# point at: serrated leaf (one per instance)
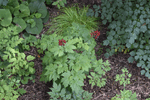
(6, 87)
(12, 60)
(29, 58)
(31, 70)
(21, 91)
(70, 48)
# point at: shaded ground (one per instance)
(139, 84)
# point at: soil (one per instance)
(139, 84)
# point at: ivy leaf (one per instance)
(130, 59)
(131, 40)
(132, 53)
(145, 57)
(143, 28)
(104, 22)
(106, 42)
(106, 55)
(147, 74)
(142, 72)
(128, 45)
(29, 58)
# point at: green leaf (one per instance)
(65, 80)
(132, 53)
(104, 22)
(20, 23)
(5, 17)
(147, 74)
(142, 72)
(130, 59)
(42, 10)
(55, 3)
(12, 60)
(6, 87)
(131, 40)
(21, 91)
(143, 28)
(31, 70)
(29, 58)
(23, 11)
(106, 42)
(128, 45)
(145, 57)
(70, 48)
(37, 28)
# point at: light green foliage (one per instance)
(125, 95)
(9, 87)
(59, 3)
(61, 93)
(17, 62)
(94, 13)
(9, 38)
(129, 30)
(70, 15)
(99, 71)
(121, 78)
(68, 64)
(29, 40)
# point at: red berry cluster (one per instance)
(95, 33)
(61, 42)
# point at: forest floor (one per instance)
(139, 84)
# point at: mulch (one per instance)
(139, 83)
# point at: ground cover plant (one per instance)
(67, 49)
(133, 34)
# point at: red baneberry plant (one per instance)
(95, 34)
(61, 42)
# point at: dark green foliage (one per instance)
(29, 15)
(129, 28)
(94, 13)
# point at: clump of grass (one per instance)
(70, 15)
